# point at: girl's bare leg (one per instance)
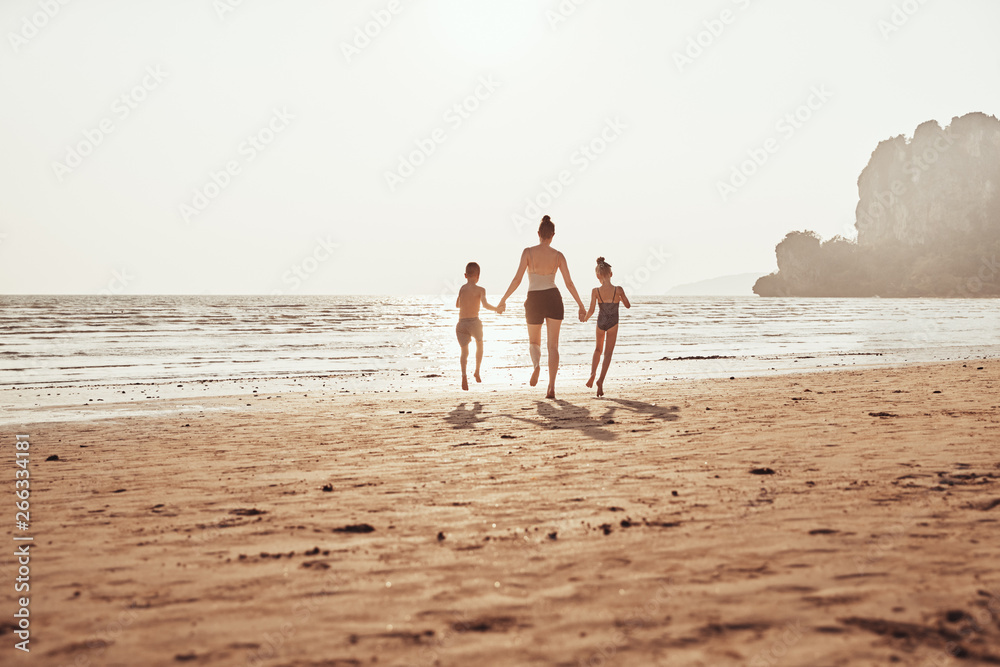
(597, 357)
(611, 337)
(552, 327)
(535, 347)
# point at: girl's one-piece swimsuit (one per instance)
(607, 316)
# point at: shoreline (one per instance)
(834, 517)
(71, 401)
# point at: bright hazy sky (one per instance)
(310, 129)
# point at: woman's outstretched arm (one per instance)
(570, 286)
(516, 282)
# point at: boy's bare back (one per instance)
(469, 299)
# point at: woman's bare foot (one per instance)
(465, 383)
(551, 393)
(590, 382)
(600, 389)
(478, 379)
(534, 376)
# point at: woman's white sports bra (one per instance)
(539, 281)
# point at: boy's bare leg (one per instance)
(465, 359)
(479, 359)
(612, 337)
(535, 345)
(552, 327)
(597, 357)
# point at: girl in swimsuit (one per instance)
(606, 298)
(544, 303)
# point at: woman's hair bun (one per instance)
(547, 228)
(600, 260)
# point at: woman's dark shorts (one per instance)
(542, 304)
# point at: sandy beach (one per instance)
(837, 518)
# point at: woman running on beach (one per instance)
(606, 298)
(544, 303)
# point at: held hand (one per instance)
(501, 307)
(583, 314)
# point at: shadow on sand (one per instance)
(670, 414)
(559, 414)
(463, 417)
(563, 414)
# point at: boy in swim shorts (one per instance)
(470, 296)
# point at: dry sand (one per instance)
(509, 530)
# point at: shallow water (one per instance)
(395, 342)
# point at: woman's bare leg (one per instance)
(552, 327)
(612, 336)
(535, 348)
(597, 357)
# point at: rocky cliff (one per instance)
(928, 222)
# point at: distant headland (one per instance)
(928, 223)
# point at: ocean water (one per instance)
(394, 343)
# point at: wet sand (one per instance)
(839, 518)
